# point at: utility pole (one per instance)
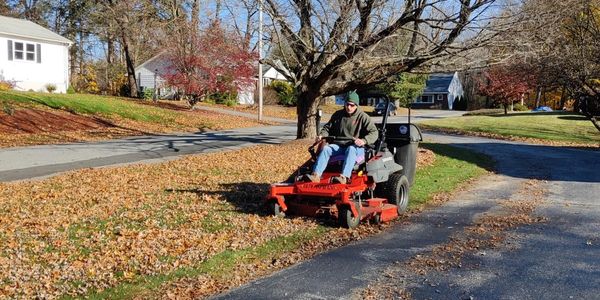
(260, 72)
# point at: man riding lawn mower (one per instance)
(357, 170)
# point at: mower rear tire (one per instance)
(396, 191)
(276, 209)
(346, 219)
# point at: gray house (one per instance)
(441, 91)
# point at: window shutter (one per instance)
(39, 53)
(10, 50)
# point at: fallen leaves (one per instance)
(85, 231)
(425, 157)
(276, 111)
(43, 125)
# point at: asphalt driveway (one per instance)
(555, 259)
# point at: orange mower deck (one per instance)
(325, 198)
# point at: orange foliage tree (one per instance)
(505, 84)
(213, 61)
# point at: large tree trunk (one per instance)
(195, 16)
(595, 121)
(110, 51)
(538, 96)
(592, 109)
(563, 96)
(73, 56)
(308, 102)
(133, 88)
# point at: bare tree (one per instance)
(341, 45)
(242, 15)
(560, 41)
(127, 20)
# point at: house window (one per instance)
(19, 51)
(24, 51)
(30, 52)
(425, 99)
(440, 97)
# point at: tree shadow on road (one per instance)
(574, 118)
(534, 161)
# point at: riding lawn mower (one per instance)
(377, 190)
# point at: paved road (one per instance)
(558, 259)
(31, 162)
(41, 161)
(416, 115)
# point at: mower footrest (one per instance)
(376, 202)
(389, 212)
(318, 189)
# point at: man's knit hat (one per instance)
(353, 97)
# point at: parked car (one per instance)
(380, 109)
(542, 108)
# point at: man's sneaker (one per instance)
(339, 179)
(312, 177)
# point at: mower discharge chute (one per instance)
(377, 190)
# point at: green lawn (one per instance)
(553, 126)
(452, 168)
(91, 105)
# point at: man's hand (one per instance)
(359, 142)
(318, 138)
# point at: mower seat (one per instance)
(337, 161)
(340, 159)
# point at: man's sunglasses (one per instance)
(350, 104)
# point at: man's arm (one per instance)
(372, 134)
(325, 129)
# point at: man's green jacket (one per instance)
(358, 125)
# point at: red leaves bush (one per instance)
(214, 61)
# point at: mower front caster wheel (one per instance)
(376, 220)
(276, 209)
(347, 220)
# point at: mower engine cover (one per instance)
(381, 166)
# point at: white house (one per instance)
(270, 74)
(149, 76)
(148, 73)
(32, 56)
(441, 90)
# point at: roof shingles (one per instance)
(28, 29)
(438, 83)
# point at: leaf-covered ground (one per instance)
(25, 123)
(275, 111)
(189, 227)
(289, 113)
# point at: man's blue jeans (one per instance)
(350, 153)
